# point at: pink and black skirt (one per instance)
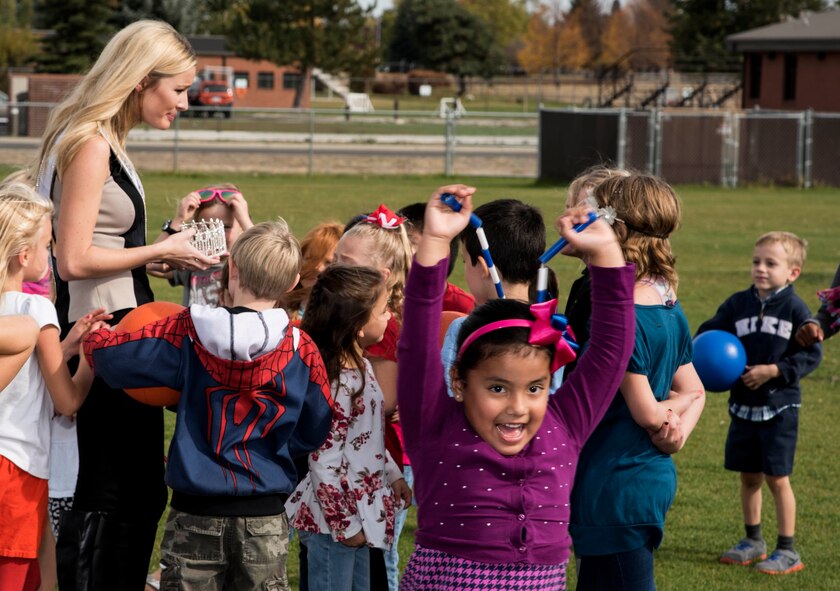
(432, 570)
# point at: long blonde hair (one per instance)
(106, 100)
(21, 213)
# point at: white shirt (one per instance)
(26, 408)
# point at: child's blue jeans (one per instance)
(334, 566)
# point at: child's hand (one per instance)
(441, 221)
(597, 244)
(240, 211)
(356, 541)
(669, 439)
(159, 269)
(91, 321)
(757, 375)
(187, 207)
(442, 224)
(809, 333)
(402, 491)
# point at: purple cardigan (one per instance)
(473, 502)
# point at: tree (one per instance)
(506, 19)
(574, 49)
(187, 16)
(699, 27)
(587, 17)
(540, 51)
(651, 34)
(443, 35)
(334, 35)
(17, 44)
(80, 30)
(618, 37)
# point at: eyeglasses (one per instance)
(209, 194)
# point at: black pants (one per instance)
(97, 551)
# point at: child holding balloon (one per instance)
(764, 403)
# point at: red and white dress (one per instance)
(348, 488)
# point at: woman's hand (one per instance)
(356, 541)
(179, 253)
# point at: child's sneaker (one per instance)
(745, 552)
(781, 562)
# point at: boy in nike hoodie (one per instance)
(254, 395)
(764, 403)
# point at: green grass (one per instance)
(714, 249)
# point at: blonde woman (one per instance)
(142, 75)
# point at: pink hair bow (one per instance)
(552, 329)
(385, 218)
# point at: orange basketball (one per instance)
(135, 320)
(446, 318)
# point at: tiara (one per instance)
(209, 238)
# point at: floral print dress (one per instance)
(348, 488)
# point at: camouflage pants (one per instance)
(215, 553)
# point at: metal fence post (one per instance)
(736, 147)
(622, 138)
(800, 150)
(449, 143)
(651, 159)
(657, 168)
(726, 150)
(175, 145)
(311, 153)
(809, 145)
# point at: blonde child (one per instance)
(348, 501)
(18, 335)
(380, 240)
(764, 403)
(223, 202)
(495, 463)
(625, 483)
(41, 387)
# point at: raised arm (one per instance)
(421, 390)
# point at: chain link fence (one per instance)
(728, 148)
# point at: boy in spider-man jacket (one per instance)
(254, 395)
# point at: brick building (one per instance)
(792, 65)
(257, 84)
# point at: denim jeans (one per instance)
(392, 556)
(334, 566)
(215, 553)
(624, 571)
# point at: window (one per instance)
(755, 76)
(265, 80)
(790, 77)
(291, 80)
(241, 80)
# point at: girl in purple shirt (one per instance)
(496, 463)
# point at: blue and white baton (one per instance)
(607, 213)
(475, 221)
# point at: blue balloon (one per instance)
(719, 359)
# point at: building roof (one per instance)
(812, 31)
(215, 45)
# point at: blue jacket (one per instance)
(767, 329)
(240, 422)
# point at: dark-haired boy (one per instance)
(516, 235)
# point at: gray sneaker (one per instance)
(781, 562)
(745, 552)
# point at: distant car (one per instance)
(4, 111)
(211, 97)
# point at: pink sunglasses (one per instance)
(209, 194)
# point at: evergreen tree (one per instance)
(334, 35)
(699, 27)
(445, 36)
(80, 29)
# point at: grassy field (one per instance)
(714, 249)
